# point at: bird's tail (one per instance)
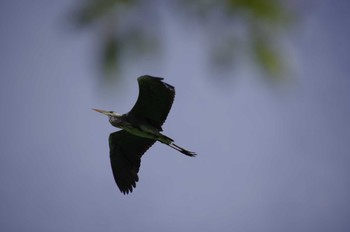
(170, 142)
(182, 150)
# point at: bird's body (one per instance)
(141, 128)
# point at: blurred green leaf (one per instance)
(268, 58)
(111, 53)
(261, 9)
(93, 10)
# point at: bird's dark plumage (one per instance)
(154, 101)
(125, 154)
(141, 128)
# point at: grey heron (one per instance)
(141, 128)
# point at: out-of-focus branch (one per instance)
(240, 26)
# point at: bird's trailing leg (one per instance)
(182, 150)
(170, 142)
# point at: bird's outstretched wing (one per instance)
(125, 153)
(154, 101)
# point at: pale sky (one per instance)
(271, 157)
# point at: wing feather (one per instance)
(153, 103)
(125, 154)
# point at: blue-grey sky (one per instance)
(271, 158)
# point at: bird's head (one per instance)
(108, 113)
(114, 118)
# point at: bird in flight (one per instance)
(141, 128)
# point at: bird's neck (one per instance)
(118, 121)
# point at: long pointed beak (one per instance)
(101, 111)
